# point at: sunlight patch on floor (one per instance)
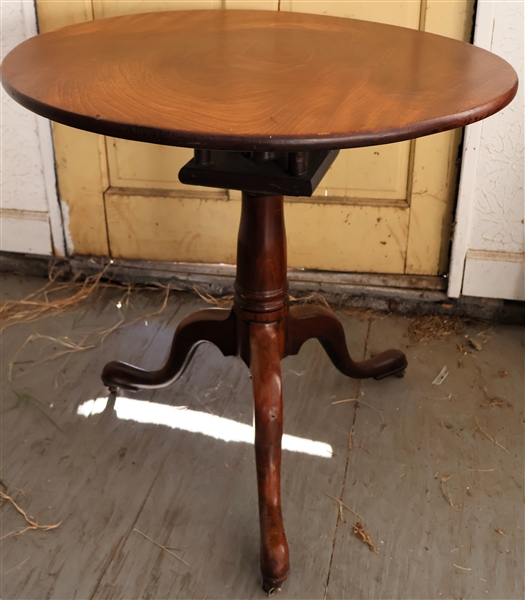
(181, 417)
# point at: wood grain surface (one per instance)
(255, 80)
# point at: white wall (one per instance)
(30, 218)
(488, 255)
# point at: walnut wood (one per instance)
(261, 284)
(211, 325)
(266, 350)
(255, 80)
(306, 322)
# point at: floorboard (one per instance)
(412, 459)
(441, 501)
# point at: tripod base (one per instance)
(262, 346)
(261, 329)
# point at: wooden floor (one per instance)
(435, 473)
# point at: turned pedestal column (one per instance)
(261, 329)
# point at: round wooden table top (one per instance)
(255, 80)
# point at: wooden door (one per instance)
(385, 209)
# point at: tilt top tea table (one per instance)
(266, 99)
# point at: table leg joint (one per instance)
(306, 322)
(213, 325)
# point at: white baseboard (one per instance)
(490, 272)
(25, 231)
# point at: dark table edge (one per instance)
(166, 137)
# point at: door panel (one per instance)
(167, 223)
(432, 200)
(361, 173)
(370, 238)
(393, 12)
(115, 8)
(181, 221)
(379, 172)
(386, 209)
(146, 166)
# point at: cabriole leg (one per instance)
(266, 351)
(306, 322)
(213, 325)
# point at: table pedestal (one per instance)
(262, 329)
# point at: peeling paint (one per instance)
(499, 202)
(67, 232)
(24, 188)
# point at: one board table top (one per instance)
(255, 80)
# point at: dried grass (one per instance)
(493, 440)
(446, 493)
(50, 300)
(165, 548)
(313, 298)
(54, 297)
(218, 301)
(359, 401)
(68, 345)
(227, 300)
(32, 523)
(482, 470)
(497, 402)
(463, 350)
(57, 296)
(43, 307)
(462, 568)
(435, 327)
(341, 506)
(359, 532)
(16, 567)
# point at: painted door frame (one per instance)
(479, 272)
(21, 226)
